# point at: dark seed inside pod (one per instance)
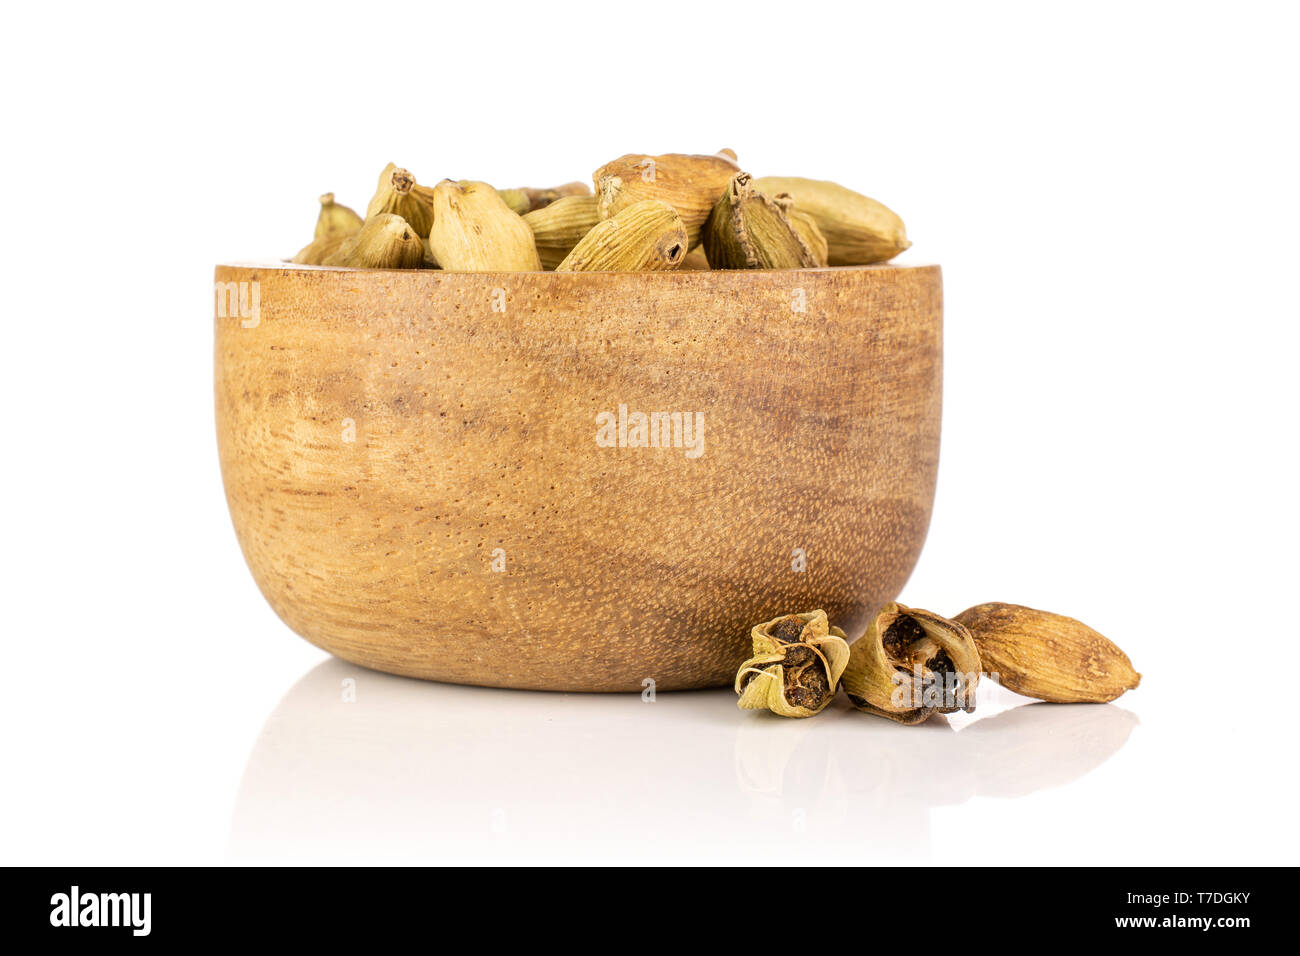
(788, 628)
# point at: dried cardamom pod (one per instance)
(516, 199)
(748, 230)
(559, 226)
(806, 226)
(1048, 656)
(797, 663)
(858, 230)
(645, 237)
(475, 231)
(335, 220)
(318, 250)
(690, 184)
(911, 663)
(385, 241)
(541, 198)
(399, 194)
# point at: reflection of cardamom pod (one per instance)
(911, 663)
(797, 663)
(858, 230)
(644, 237)
(748, 230)
(559, 226)
(1048, 656)
(385, 241)
(399, 194)
(335, 220)
(690, 184)
(475, 231)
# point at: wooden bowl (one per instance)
(442, 475)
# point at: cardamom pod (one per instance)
(1048, 656)
(690, 184)
(516, 199)
(398, 193)
(541, 198)
(748, 230)
(806, 226)
(647, 236)
(911, 663)
(796, 664)
(386, 241)
(475, 231)
(335, 220)
(318, 250)
(559, 226)
(858, 230)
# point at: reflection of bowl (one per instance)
(422, 482)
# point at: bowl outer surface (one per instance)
(415, 466)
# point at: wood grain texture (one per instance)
(475, 429)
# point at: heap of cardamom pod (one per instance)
(912, 663)
(645, 213)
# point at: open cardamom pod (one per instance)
(796, 665)
(1048, 656)
(559, 226)
(399, 194)
(475, 231)
(748, 230)
(911, 663)
(386, 241)
(690, 184)
(806, 226)
(858, 230)
(335, 220)
(645, 237)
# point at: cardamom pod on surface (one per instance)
(386, 241)
(748, 230)
(690, 184)
(1048, 656)
(399, 194)
(858, 229)
(559, 226)
(796, 665)
(645, 237)
(475, 231)
(910, 664)
(334, 219)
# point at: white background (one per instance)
(1112, 194)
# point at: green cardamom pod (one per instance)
(910, 664)
(475, 231)
(796, 665)
(749, 230)
(386, 241)
(398, 193)
(335, 220)
(647, 236)
(858, 229)
(690, 184)
(559, 226)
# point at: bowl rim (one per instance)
(282, 266)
